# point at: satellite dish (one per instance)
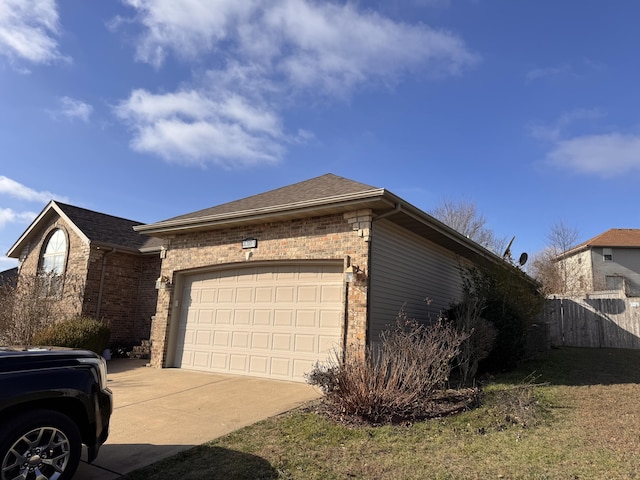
(523, 259)
(507, 252)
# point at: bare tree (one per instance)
(32, 304)
(463, 217)
(557, 274)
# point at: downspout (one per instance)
(101, 287)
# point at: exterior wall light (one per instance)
(163, 282)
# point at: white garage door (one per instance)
(267, 321)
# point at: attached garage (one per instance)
(271, 321)
(267, 285)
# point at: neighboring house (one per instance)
(270, 284)
(609, 261)
(9, 277)
(94, 264)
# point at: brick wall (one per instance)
(70, 300)
(128, 298)
(332, 237)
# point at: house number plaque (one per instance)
(249, 243)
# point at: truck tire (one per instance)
(42, 444)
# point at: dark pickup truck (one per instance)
(51, 402)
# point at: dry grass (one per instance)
(585, 424)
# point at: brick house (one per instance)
(95, 265)
(609, 261)
(269, 284)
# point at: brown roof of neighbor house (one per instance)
(328, 185)
(105, 229)
(98, 228)
(616, 237)
(9, 277)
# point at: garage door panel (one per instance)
(262, 317)
(285, 294)
(205, 316)
(225, 295)
(327, 344)
(308, 294)
(331, 293)
(244, 295)
(200, 359)
(238, 363)
(221, 338)
(260, 340)
(330, 319)
(261, 321)
(240, 340)
(304, 343)
(223, 317)
(219, 362)
(203, 337)
(264, 294)
(242, 317)
(283, 318)
(259, 365)
(306, 318)
(207, 295)
(280, 367)
(282, 341)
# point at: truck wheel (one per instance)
(40, 444)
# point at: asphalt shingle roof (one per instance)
(106, 229)
(616, 237)
(325, 186)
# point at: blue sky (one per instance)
(147, 109)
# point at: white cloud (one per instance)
(17, 190)
(191, 127)
(547, 72)
(267, 54)
(28, 31)
(566, 121)
(74, 109)
(605, 155)
(7, 215)
(571, 70)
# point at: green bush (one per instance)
(79, 332)
(511, 302)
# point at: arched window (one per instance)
(52, 263)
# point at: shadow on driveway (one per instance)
(160, 412)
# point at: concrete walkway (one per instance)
(159, 412)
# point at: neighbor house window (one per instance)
(614, 282)
(52, 263)
(607, 254)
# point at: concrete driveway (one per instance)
(158, 413)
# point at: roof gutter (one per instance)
(264, 213)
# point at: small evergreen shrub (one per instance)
(79, 332)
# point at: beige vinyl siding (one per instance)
(405, 270)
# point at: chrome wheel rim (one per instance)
(41, 454)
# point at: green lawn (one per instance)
(583, 422)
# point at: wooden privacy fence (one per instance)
(605, 319)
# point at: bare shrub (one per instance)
(466, 317)
(33, 305)
(394, 379)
